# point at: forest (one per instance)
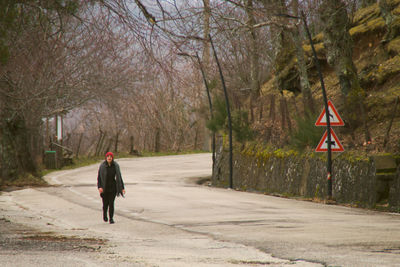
(173, 75)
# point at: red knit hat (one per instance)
(110, 154)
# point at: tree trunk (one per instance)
(196, 137)
(254, 65)
(308, 102)
(339, 45)
(339, 54)
(283, 112)
(96, 151)
(284, 47)
(79, 145)
(102, 144)
(47, 142)
(157, 141)
(15, 154)
(272, 108)
(132, 148)
(206, 44)
(116, 142)
(99, 144)
(289, 123)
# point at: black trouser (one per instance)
(108, 203)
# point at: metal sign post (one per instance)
(328, 123)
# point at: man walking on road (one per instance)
(109, 184)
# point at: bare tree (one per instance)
(32, 81)
(54, 66)
(308, 102)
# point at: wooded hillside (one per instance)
(377, 60)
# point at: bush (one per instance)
(240, 122)
(241, 127)
(218, 120)
(306, 133)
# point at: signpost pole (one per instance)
(328, 124)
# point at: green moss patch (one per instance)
(371, 26)
(394, 46)
(365, 14)
(319, 48)
(388, 68)
(318, 38)
(396, 11)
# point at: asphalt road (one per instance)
(166, 219)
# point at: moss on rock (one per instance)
(365, 14)
(370, 26)
(388, 68)
(319, 48)
(394, 46)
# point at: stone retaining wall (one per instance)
(291, 174)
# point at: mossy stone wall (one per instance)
(290, 174)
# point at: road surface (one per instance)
(166, 219)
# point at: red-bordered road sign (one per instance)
(336, 146)
(335, 119)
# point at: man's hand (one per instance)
(123, 191)
(100, 190)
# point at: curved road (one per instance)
(167, 220)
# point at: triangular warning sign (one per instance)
(336, 146)
(335, 119)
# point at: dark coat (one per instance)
(102, 177)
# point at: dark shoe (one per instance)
(105, 219)
(111, 221)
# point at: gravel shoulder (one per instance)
(29, 239)
(21, 243)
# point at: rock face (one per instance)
(355, 181)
